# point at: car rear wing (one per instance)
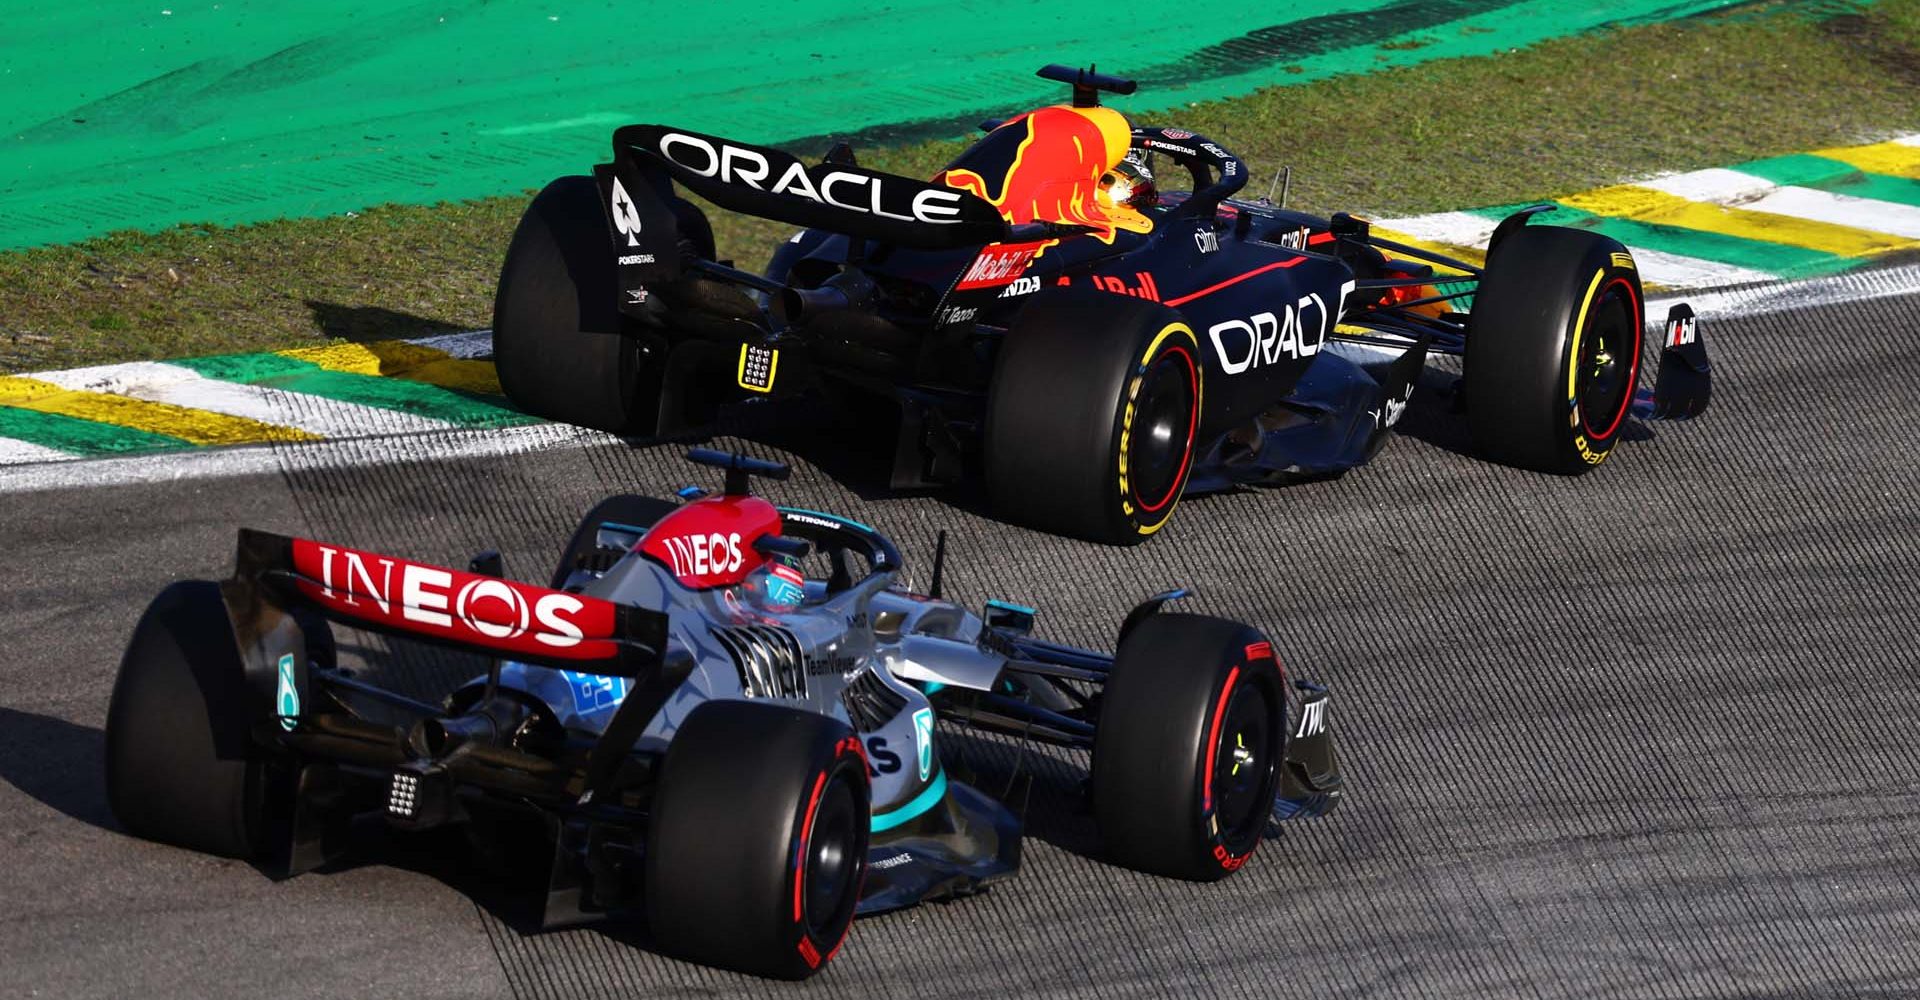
(277, 577)
(834, 194)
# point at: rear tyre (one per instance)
(1187, 755)
(1553, 349)
(558, 343)
(180, 765)
(1092, 416)
(583, 551)
(757, 841)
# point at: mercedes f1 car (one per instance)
(697, 730)
(1043, 315)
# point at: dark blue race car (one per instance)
(1044, 315)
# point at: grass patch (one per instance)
(1555, 118)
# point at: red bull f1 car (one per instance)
(719, 717)
(1044, 315)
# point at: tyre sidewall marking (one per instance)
(1126, 426)
(1633, 369)
(817, 953)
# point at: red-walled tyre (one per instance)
(757, 842)
(1187, 755)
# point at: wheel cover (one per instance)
(1609, 361)
(1244, 764)
(830, 862)
(1160, 443)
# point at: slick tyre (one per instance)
(1092, 416)
(180, 765)
(558, 340)
(1553, 350)
(583, 550)
(757, 842)
(1188, 751)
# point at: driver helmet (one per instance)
(1129, 184)
(777, 586)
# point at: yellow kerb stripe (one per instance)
(1628, 201)
(399, 359)
(1892, 158)
(196, 426)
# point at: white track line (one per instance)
(1670, 269)
(164, 383)
(465, 346)
(1759, 300)
(15, 452)
(1737, 190)
(252, 460)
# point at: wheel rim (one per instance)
(1243, 764)
(1609, 360)
(830, 862)
(1160, 441)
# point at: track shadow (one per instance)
(1437, 416)
(1045, 785)
(59, 763)
(361, 324)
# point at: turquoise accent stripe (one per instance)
(934, 686)
(1777, 258)
(935, 791)
(1834, 177)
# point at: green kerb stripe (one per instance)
(1807, 170)
(1779, 258)
(80, 437)
(294, 375)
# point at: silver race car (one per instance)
(721, 717)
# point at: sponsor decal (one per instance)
(1295, 239)
(636, 296)
(593, 693)
(626, 218)
(1054, 174)
(957, 314)
(881, 760)
(744, 165)
(1206, 241)
(903, 858)
(1313, 718)
(998, 264)
(287, 696)
(1681, 332)
(701, 555)
(1269, 337)
(1144, 287)
(1229, 861)
(463, 607)
(923, 740)
(1169, 147)
(757, 367)
(1390, 411)
(1260, 651)
(1176, 133)
(830, 661)
(1622, 260)
(636, 258)
(1021, 286)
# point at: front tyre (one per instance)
(757, 840)
(1189, 746)
(1092, 416)
(1553, 349)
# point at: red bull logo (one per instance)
(1053, 174)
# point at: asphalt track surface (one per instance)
(1648, 733)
